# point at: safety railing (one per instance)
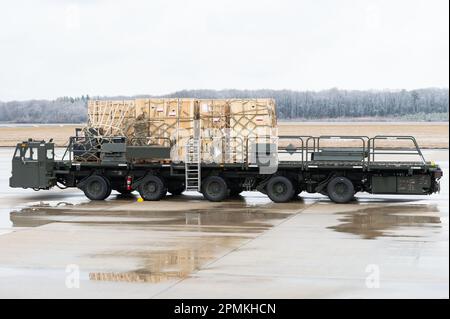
(316, 147)
(390, 151)
(292, 149)
(241, 150)
(306, 146)
(87, 148)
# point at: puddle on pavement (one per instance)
(166, 245)
(160, 246)
(234, 218)
(162, 265)
(388, 221)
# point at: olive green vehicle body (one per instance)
(129, 167)
(33, 165)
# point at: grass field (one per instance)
(428, 134)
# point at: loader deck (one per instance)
(311, 164)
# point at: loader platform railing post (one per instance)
(293, 149)
(316, 152)
(398, 151)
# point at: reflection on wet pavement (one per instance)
(371, 223)
(181, 241)
(161, 265)
(119, 241)
(42, 215)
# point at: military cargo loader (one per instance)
(281, 167)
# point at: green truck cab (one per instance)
(33, 165)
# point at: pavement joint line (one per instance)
(309, 278)
(231, 251)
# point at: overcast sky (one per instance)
(51, 48)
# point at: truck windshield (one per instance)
(30, 154)
(50, 154)
(27, 154)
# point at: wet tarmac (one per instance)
(185, 247)
(372, 223)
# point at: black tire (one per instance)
(109, 190)
(214, 189)
(340, 190)
(97, 187)
(152, 188)
(176, 190)
(280, 189)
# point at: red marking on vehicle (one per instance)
(129, 181)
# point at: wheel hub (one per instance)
(214, 188)
(95, 187)
(151, 187)
(279, 188)
(341, 188)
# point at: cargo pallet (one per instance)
(280, 167)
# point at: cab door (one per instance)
(32, 166)
(25, 167)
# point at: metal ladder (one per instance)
(193, 165)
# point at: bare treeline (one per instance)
(61, 110)
(422, 104)
(335, 104)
